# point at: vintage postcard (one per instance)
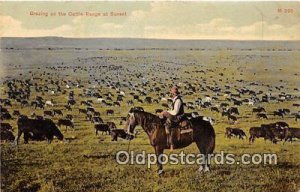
(150, 96)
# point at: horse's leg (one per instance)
(16, 141)
(205, 166)
(159, 151)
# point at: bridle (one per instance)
(129, 126)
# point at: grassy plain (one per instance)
(87, 162)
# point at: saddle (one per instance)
(181, 123)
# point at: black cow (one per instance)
(278, 113)
(109, 112)
(138, 108)
(65, 122)
(6, 135)
(102, 127)
(214, 109)
(97, 114)
(235, 132)
(234, 110)
(256, 132)
(232, 118)
(68, 107)
(118, 133)
(297, 116)
(57, 112)
(261, 116)
(82, 111)
(258, 110)
(5, 126)
(292, 133)
(111, 125)
(42, 129)
(97, 120)
(48, 113)
(5, 116)
(69, 116)
(16, 113)
(158, 111)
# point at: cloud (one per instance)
(161, 20)
(14, 28)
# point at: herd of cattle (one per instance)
(54, 101)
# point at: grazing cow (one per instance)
(39, 105)
(278, 113)
(138, 108)
(130, 102)
(235, 132)
(96, 120)
(256, 132)
(236, 102)
(24, 103)
(23, 117)
(292, 133)
(90, 109)
(84, 111)
(96, 114)
(111, 125)
(165, 105)
(71, 102)
(258, 110)
(89, 116)
(267, 131)
(228, 132)
(70, 117)
(5, 116)
(6, 135)
(16, 113)
(43, 129)
(48, 113)
(281, 125)
(7, 103)
(109, 112)
(214, 109)
(272, 132)
(3, 110)
(148, 100)
(65, 122)
(116, 104)
(102, 127)
(250, 103)
(233, 110)
(57, 112)
(224, 105)
(297, 116)
(39, 117)
(118, 133)
(68, 107)
(232, 118)
(49, 103)
(261, 116)
(6, 126)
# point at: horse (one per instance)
(203, 135)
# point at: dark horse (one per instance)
(203, 135)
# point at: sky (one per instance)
(161, 20)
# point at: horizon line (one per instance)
(144, 38)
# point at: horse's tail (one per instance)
(204, 136)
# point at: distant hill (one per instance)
(128, 43)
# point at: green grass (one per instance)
(87, 162)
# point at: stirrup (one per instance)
(167, 130)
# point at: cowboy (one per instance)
(174, 114)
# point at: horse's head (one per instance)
(131, 124)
